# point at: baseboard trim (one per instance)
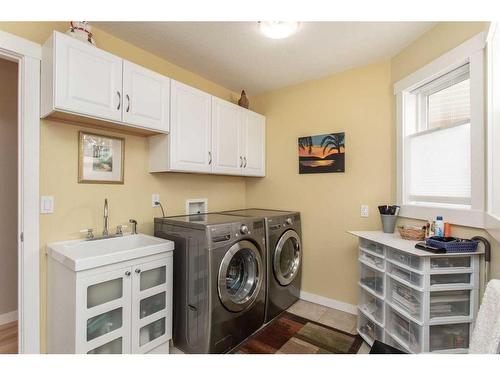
(8, 317)
(328, 302)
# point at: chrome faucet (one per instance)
(106, 214)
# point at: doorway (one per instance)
(9, 207)
(23, 219)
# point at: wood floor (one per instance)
(8, 338)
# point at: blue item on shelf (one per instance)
(453, 244)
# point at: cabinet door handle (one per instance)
(128, 103)
(119, 99)
(209, 158)
(127, 273)
(241, 161)
(138, 271)
(245, 158)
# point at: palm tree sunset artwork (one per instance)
(322, 153)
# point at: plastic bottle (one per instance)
(439, 226)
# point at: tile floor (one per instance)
(331, 317)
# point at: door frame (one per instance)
(28, 55)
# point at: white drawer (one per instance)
(438, 263)
(371, 279)
(372, 306)
(449, 336)
(369, 329)
(405, 259)
(407, 332)
(371, 246)
(371, 259)
(405, 298)
(450, 278)
(404, 274)
(450, 303)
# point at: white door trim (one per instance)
(27, 54)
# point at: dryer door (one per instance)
(241, 274)
(287, 256)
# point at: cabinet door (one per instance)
(190, 129)
(103, 313)
(88, 80)
(151, 304)
(226, 134)
(254, 144)
(146, 97)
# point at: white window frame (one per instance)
(471, 52)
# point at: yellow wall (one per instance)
(79, 206)
(358, 102)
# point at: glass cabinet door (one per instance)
(151, 305)
(104, 314)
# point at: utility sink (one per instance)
(80, 255)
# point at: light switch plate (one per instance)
(364, 210)
(47, 204)
(155, 198)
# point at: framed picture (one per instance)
(322, 153)
(100, 159)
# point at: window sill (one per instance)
(463, 217)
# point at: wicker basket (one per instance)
(412, 233)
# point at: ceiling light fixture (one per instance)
(278, 29)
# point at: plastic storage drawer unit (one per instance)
(369, 329)
(450, 262)
(407, 332)
(407, 299)
(371, 246)
(404, 258)
(404, 274)
(449, 336)
(450, 303)
(371, 305)
(373, 260)
(372, 279)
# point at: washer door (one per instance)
(287, 255)
(240, 276)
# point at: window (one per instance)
(441, 142)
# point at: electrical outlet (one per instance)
(155, 198)
(364, 210)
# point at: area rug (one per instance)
(292, 334)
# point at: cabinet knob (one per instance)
(127, 273)
(138, 271)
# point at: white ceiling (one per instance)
(237, 56)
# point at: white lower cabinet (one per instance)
(119, 308)
(413, 300)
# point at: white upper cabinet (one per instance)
(253, 144)
(87, 80)
(190, 124)
(146, 97)
(84, 83)
(226, 133)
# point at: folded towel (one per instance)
(486, 334)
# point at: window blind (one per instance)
(440, 165)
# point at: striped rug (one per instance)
(292, 334)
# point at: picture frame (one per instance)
(324, 153)
(101, 159)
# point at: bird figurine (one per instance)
(243, 102)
